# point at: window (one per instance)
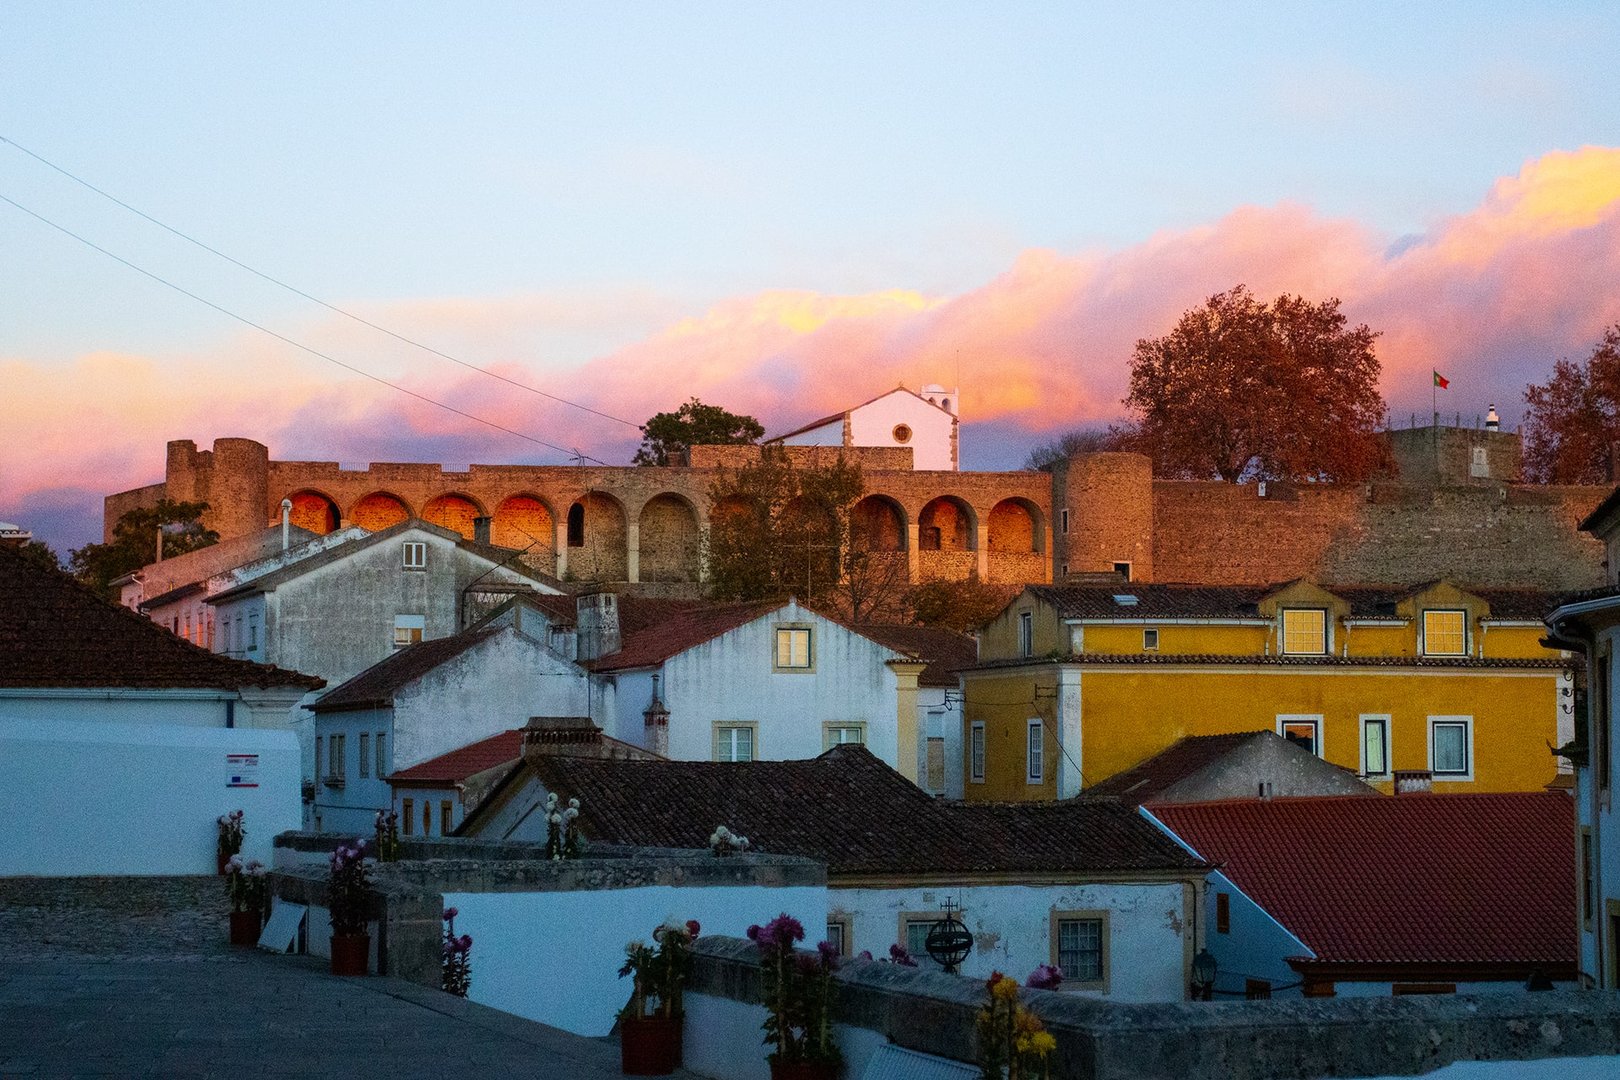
(187, 634)
(915, 937)
(838, 934)
(734, 742)
(230, 636)
(935, 765)
(335, 756)
(1026, 633)
(445, 826)
(576, 525)
(1150, 640)
(1600, 704)
(1445, 633)
(1588, 895)
(1037, 746)
(1304, 730)
(1304, 631)
(1223, 913)
(407, 815)
(427, 818)
(1063, 518)
(1080, 948)
(1480, 466)
(408, 630)
(364, 757)
(1375, 746)
(415, 555)
(902, 433)
(382, 757)
(253, 633)
(1450, 750)
(1256, 989)
(318, 757)
(835, 734)
(793, 648)
(1123, 569)
(976, 752)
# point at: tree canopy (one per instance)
(1243, 389)
(134, 542)
(42, 553)
(1573, 420)
(668, 435)
(1078, 441)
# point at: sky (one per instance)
(784, 209)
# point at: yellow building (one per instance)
(1077, 683)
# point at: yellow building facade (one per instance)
(1077, 683)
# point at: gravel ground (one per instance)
(169, 918)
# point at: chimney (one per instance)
(574, 736)
(1492, 421)
(286, 523)
(656, 716)
(1265, 790)
(481, 530)
(596, 624)
(1413, 781)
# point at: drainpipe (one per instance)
(286, 523)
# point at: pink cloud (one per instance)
(1490, 297)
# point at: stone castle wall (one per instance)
(621, 523)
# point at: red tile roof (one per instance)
(1178, 601)
(55, 632)
(458, 765)
(1414, 879)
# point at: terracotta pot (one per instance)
(803, 1070)
(351, 954)
(647, 1045)
(245, 927)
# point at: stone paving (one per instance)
(133, 978)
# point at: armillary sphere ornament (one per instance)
(948, 940)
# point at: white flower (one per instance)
(573, 804)
(554, 818)
(551, 801)
(571, 813)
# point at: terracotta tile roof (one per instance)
(1406, 880)
(1140, 783)
(375, 687)
(1206, 659)
(469, 760)
(1174, 601)
(945, 650)
(55, 632)
(851, 811)
(676, 631)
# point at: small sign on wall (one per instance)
(241, 770)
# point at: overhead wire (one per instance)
(573, 453)
(311, 298)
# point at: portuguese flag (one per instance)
(1441, 381)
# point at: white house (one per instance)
(926, 422)
(1088, 886)
(425, 701)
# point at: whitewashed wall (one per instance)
(1255, 947)
(103, 797)
(939, 717)
(554, 957)
(1149, 929)
(723, 1039)
(873, 425)
(190, 708)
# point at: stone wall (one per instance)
(1097, 1040)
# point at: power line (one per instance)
(574, 453)
(313, 299)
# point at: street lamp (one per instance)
(949, 940)
(1204, 970)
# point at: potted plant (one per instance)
(1013, 1043)
(248, 889)
(650, 1023)
(387, 836)
(563, 838)
(229, 843)
(798, 991)
(349, 902)
(455, 963)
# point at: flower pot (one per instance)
(647, 1045)
(351, 954)
(803, 1070)
(245, 927)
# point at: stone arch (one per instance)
(879, 523)
(453, 510)
(312, 510)
(597, 538)
(668, 539)
(1017, 548)
(731, 505)
(947, 540)
(378, 510)
(524, 522)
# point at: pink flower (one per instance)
(1044, 977)
(450, 913)
(693, 928)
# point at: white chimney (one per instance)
(286, 523)
(1492, 421)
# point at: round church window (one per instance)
(902, 433)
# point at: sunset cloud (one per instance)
(1490, 297)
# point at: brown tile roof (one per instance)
(679, 629)
(1412, 879)
(945, 650)
(55, 632)
(375, 687)
(1140, 783)
(851, 811)
(1207, 659)
(1173, 601)
(456, 766)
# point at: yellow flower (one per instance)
(1006, 989)
(1027, 1022)
(1042, 1043)
(1022, 1044)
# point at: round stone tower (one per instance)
(1102, 513)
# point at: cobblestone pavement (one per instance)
(133, 978)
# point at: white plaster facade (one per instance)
(925, 422)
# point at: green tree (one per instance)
(778, 530)
(134, 541)
(963, 606)
(1573, 420)
(667, 437)
(1285, 390)
(40, 552)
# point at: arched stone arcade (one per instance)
(377, 511)
(313, 510)
(668, 543)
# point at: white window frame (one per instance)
(1035, 751)
(787, 631)
(1058, 918)
(413, 555)
(976, 752)
(724, 738)
(407, 623)
(1282, 632)
(1026, 633)
(1467, 724)
(1386, 721)
(1150, 639)
(1424, 624)
(1313, 719)
(828, 727)
(253, 633)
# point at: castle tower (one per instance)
(1102, 515)
(233, 479)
